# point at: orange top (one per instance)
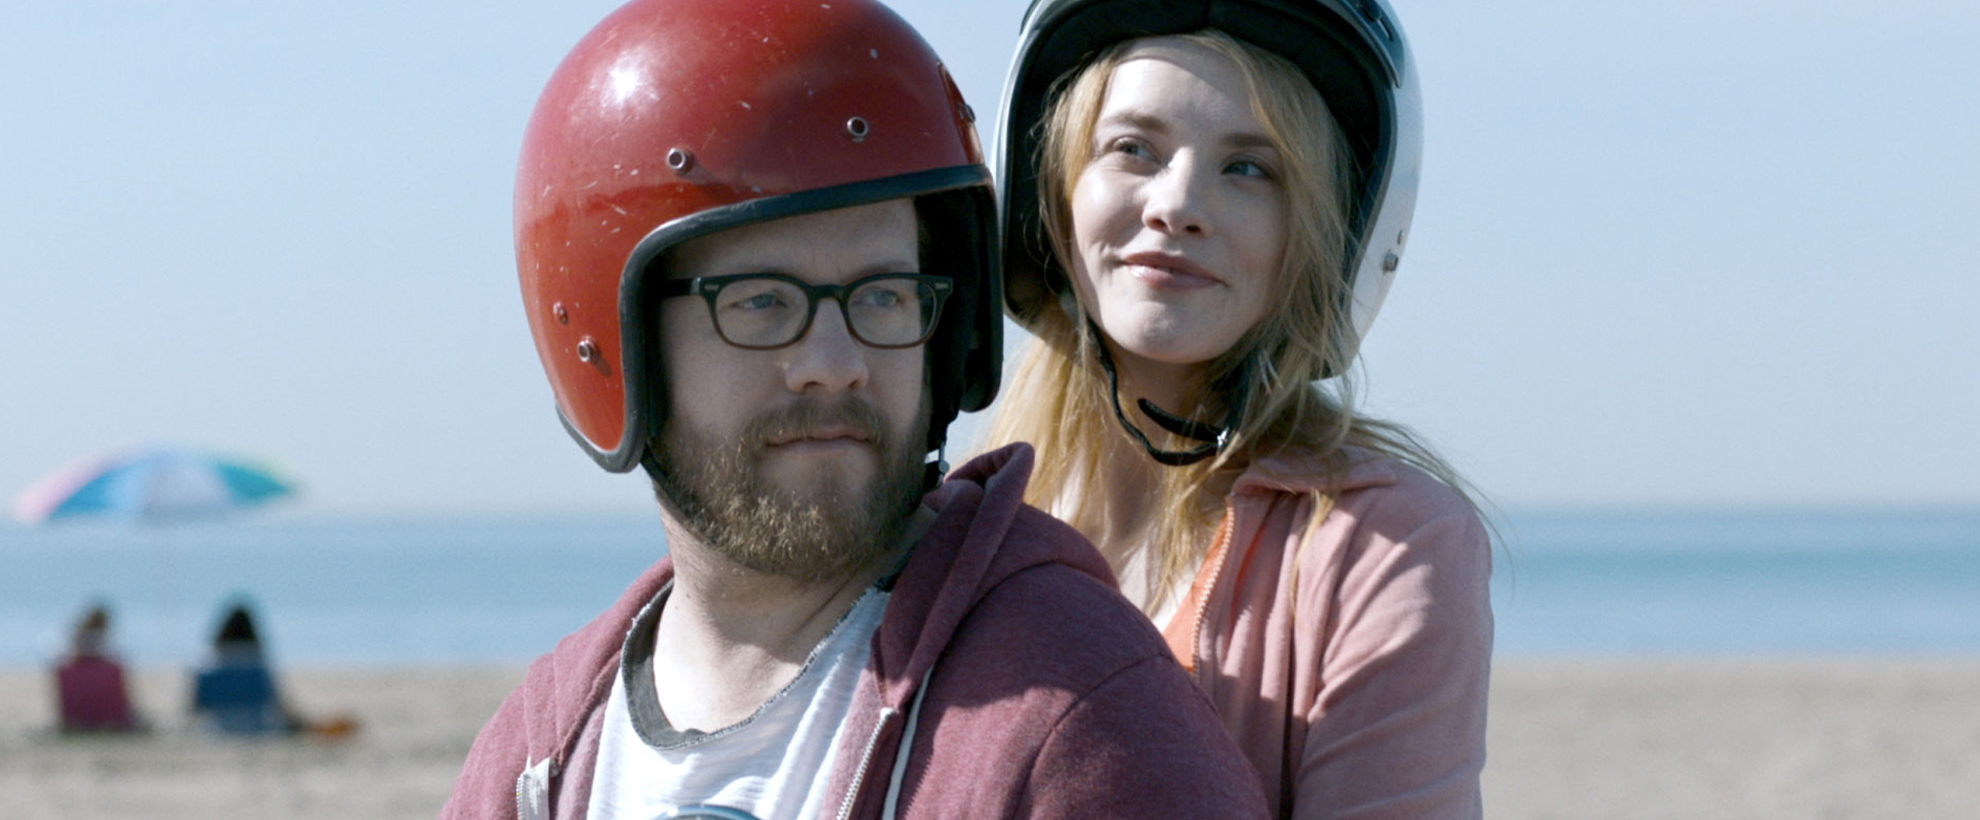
(1186, 626)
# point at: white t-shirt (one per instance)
(770, 765)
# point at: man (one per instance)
(753, 247)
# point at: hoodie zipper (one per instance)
(534, 782)
(1196, 602)
(866, 761)
(1221, 548)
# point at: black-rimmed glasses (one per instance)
(765, 311)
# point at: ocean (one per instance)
(499, 590)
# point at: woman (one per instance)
(1198, 237)
(235, 692)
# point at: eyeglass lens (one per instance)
(883, 312)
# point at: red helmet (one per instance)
(680, 118)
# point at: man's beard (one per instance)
(831, 530)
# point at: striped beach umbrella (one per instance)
(150, 485)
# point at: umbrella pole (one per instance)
(169, 610)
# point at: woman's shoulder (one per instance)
(1371, 487)
(1382, 520)
(1350, 469)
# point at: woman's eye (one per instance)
(1131, 148)
(1245, 167)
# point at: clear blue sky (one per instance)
(1685, 252)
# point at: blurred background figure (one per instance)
(89, 683)
(234, 691)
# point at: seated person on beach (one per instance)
(89, 683)
(234, 692)
(804, 227)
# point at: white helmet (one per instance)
(1354, 53)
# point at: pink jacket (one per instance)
(1008, 679)
(1351, 662)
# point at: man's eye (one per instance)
(767, 300)
(880, 297)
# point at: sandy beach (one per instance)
(1734, 739)
(1569, 739)
(415, 729)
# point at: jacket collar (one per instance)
(571, 681)
(1300, 470)
(964, 555)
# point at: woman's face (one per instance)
(1179, 219)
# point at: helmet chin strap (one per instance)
(1214, 439)
(934, 471)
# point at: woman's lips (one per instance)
(1163, 272)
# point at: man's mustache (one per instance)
(855, 416)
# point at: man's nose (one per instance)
(827, 359)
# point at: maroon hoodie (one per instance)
(1031, 688)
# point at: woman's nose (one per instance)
(1175, 200)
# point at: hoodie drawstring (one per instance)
(901, 754)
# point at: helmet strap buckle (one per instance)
(1215, 438)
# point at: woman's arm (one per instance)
(1397, 728)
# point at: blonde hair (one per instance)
(1059, 398)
